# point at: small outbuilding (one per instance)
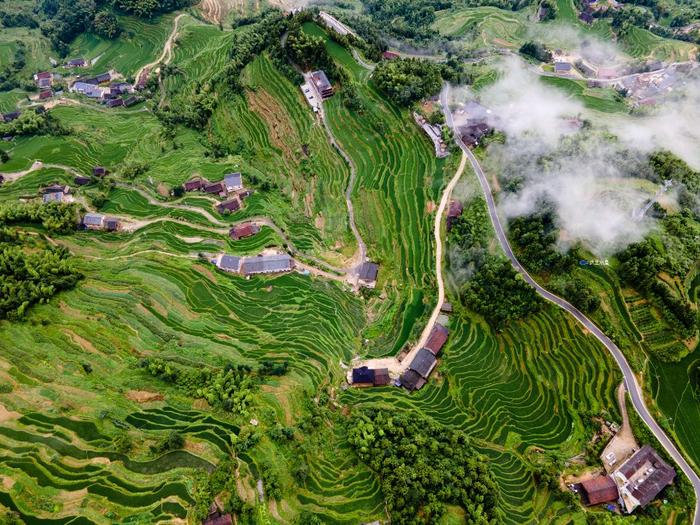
(229, 206)
(601, 489)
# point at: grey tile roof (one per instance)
(93, 219)
(233, 180)
(423, 363)
(230, 262)
(266, 264)
(368, 271)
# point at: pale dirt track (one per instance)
(395, 366)
(167, 53)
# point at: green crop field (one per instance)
(73, 382)
(483, 26)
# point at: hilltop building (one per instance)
(322, 84)
(367, 274)
(642, 477)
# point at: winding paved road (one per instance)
(631, 384)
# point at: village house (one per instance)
(233, 182)
(111, 224)
(367, 274)
(195, 184)
(229, 206)
(241, 231)
(93, 221)
(56, 193)
(130, 101)
(390, 55)
(115, 102)
(321, 83)
(453, 212)
(366, 377)
(99, 171)
(76, 62)
(43, 95)
(472, 135)
(562, 68)
(642, 477)
(9, 117)
(89, 90)
(218, 188)
(437, 339)
(267, 264)
(81, 180)
(43, 79)
(601, 489)
(262, 264)
(419, 370)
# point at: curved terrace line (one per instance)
(631, 383)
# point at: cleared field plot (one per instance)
(598, 99)
(641, 43)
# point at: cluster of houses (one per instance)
(56, 193)
(316, 89)
(633, 484)
(260, 264)
(96, 221)
(230, 188)
(473, 122)
(425, 360)
(103, 89)
(434, 133)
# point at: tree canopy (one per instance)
(406, 81)
(424, 466)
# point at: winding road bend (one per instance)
(631, 384)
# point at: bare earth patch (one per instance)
(80, 341)
(8, 415)
(7, 483)
(206, 272)
(143, 396)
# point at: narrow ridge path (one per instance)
(630, 380)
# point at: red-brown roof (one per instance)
(455, 209)
(244, 230)
(599, 490)
(194, 184)
(43, 74)
(389, 55)
(437, 338)
(224, 519)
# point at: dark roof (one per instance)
(244, 230)
(471, 135)
(76, 62)
(381, 377)
(446, 307)
(45, 94)
(111, 223)
(362, 375)
(99, 170)
(193, 184)
(266, 264)
(437, 338)
(81, 180)
(368, 271)
(43, 74)
(320, 79)
(601, 489)
(130, 101)
(214, 187)
(9, 117)
(423, 363)
(115, 102)
(411, 380)
(232, 205)
(54, 188)
(658, 475)
(455, 209)
(224, 519)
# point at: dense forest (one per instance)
(406, 81)
(491, 286)
(424, 466)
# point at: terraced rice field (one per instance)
(520, 391)
(397, 177)
(641, 43)
(481, 26)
